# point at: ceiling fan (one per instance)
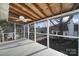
(21, 18)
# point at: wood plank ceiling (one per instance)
(38, 11)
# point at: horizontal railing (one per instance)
(64, 36)
(6, 37)
(55, 35)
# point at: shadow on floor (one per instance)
(13, 45)
(37, 52)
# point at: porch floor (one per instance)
(27, 48)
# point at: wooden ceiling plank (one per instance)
(35, 9)
(17, 13)
(75, 5)
(14, 12)
(31, 10)
(50, 8)
(37, 6)
(55, 8)
(61, 8)
(11, 17)
(22, 8)
(45, 9)
(17, 10)
(66, 7)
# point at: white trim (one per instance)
(7, 33)
(31, 32)
(64, 36)
(15, 31)
(2, 37)
(41, 33)
(48, 34)
(28, 31)
(58, 35)
(24, 30)
(35, 32)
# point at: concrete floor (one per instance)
(27, 48)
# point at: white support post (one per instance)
(24, 31)
(2, 37)
(35, 32)
(47, 33)
(15, 31)
(28, 31)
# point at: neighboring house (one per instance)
(70, 29)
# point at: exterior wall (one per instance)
(4, 9)
(75, 33)
(71, 28)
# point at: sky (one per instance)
(76, 19)
(41, 24)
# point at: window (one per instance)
(6, 31)
(31, 27)
(19, 31)
(41, 32)
(54, 26)
(26, 31)
(31, 31)
(41, 27)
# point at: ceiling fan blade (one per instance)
(24, 20)
(18, 20)
(28, 19)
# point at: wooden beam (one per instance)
(23, 13)
(30, 9)
(14, 12)
(35, 9)
(50, 8)
(22, 8)
(75, 6)
(45, 9)
(60, 8)
(14, 18)
(37, 6)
